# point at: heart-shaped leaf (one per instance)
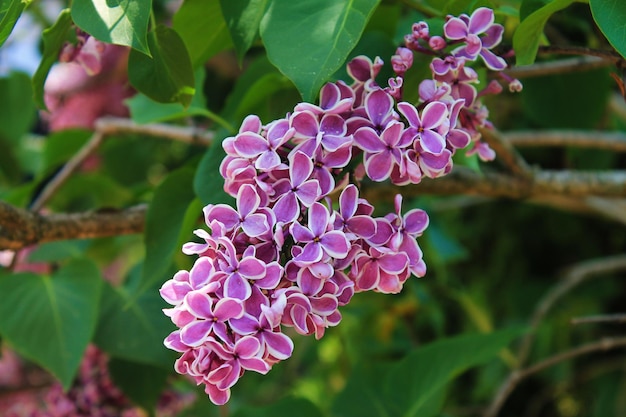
(204, 37)
(53, 39)
(133, 328)
(164, 221)
(10, 11)
(309, 41)
(167, 76)
(243, 19)
(528, 33)
(51, 319)
(610, 16)
(121, 22)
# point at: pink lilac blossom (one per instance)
(301, 240)
(464, 40)
(93, 393)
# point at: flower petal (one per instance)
(378, 166)
(278, 345)
(481, 19)
(455, 29)
(228, 308)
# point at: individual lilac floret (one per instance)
(427, 126)
(469, 29)
(295, 190)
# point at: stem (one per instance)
(613, 141)
(561, 66)
(68, 169)
(507, 153)
(20, 228)
(604, 318)
(515, 377)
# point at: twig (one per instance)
(581, 50)
(603, 318)
(111, 126)
(573, 277)
(488, 184)
(20, 228)
(115, 125)
(68, 169)
(562, 66)
(506, 153)
(613, 141)
(515, 377)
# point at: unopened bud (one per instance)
(515, 86)
(437, 43)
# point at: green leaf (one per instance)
(18, 110)
(61, 146)
(362, 395)
(164, 221)
(412, 382)
(415, 386)
(10, 11)
(133, 328)
(529, 32)
(340, 24)
(167, 76)
(204, 37)
(208, 184)
(577, 100)
(254, 89)
(243, 19)
(121, 22)
(51, 319)
(610, 16)
(145, 110)
(287, 407)
(141, 383)
(53, 39)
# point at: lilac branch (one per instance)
(603, 318)
(613, 141)
(489, 184)
(506, 153)
(66, 172)
(517, 376)
(563, 66)
(573, 277)
(20, 228)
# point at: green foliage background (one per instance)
(440, 347)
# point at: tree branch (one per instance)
(506, 153)
(613, 141)
(562, 66)
(193, 136)
(489, 184)
(573, 277)
(603, 318)
(517, 376)
(68, 169)
(20, 228)
(108, 126)
(608, 55)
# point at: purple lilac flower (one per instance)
(285, 257)
(469, 29)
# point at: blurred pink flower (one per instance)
(92, 82)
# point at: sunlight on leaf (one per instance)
(120, 22)
(327, 30)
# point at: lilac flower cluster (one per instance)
(465, 40)
(301, 240)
